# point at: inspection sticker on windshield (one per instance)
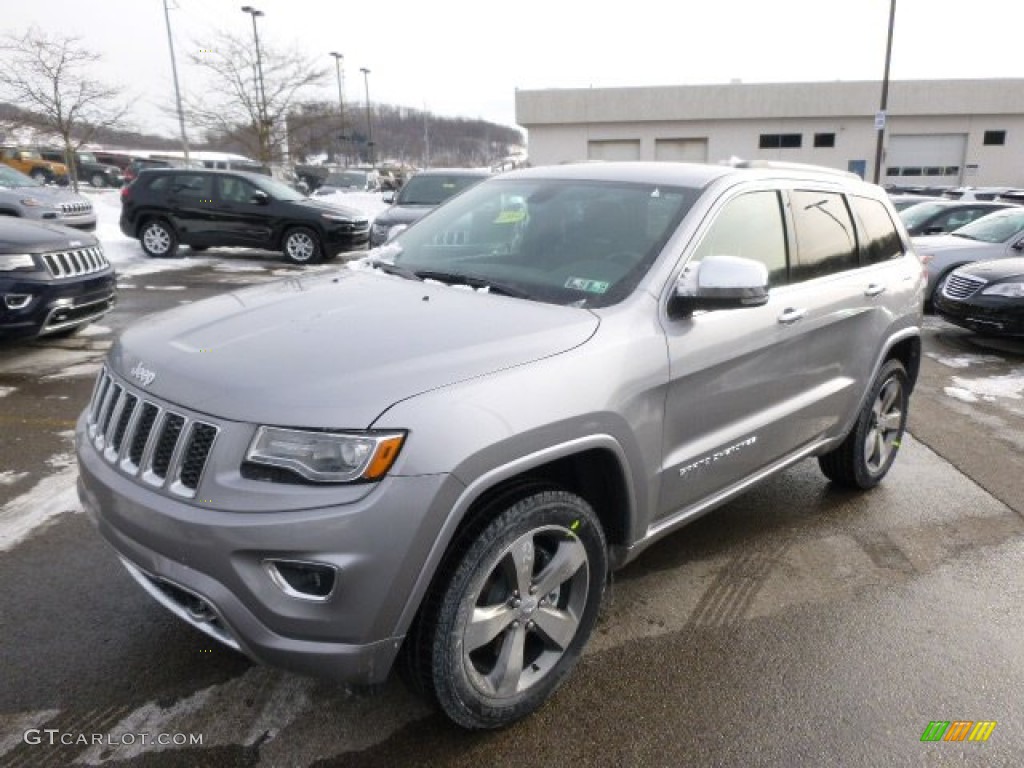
(510, 217)
(590, 286)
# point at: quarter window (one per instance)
(193, 186)
(824, 235)
(880, 241)
(750, 226)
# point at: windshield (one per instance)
(583, 243)
(920, 212)
(997, 227)
(346, 179)
(276, 189)
(11, 178)
(434, 189)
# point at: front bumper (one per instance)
(208, 566)
(996, 315)
(345, 237)
(55, 305)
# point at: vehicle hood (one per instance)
(402, 214)
(320, 205)
(335, 351)
(19, 236)
(953, 244)
(992, 271)
(53, 195)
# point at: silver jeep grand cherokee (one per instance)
(437, 458)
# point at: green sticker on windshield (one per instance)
(510, 217)
(590, 286)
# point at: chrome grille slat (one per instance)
(163, 448)
(82, 261)
(961, 286)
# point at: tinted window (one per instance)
(434, 189)
(825, 238)
(749, 226)
(235, 190)
(192, 186)
(881, 240)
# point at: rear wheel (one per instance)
(158, 238)
(867, 453)
(302, 246)
(98, 180)
(510, 617)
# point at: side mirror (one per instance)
(259, 197)
(1018, 246)
(721, 282)
(388, 197)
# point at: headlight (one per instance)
(380, 229)
(925, 257)
(327, 457)
(10, 262)
(32, 202)
(337, 217)
(1010, 290)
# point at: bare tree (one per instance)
(49, 78)
(231, 105)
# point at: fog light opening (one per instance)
(17, 300)
(302, 580)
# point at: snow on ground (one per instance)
(127, 256)
(1010, 386)
(964, 361)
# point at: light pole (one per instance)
(881, 117)
(338, 58)
(261, 92)
(369, 121)
(177, 90)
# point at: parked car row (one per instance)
(24, 197)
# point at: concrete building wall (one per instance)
(565, 125)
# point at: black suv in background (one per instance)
(53, 280)
(421, 194)
(165, 208)
(87, 168)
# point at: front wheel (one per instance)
(867, 453)
(510, 621)
(302, 246)
(158, 238)
(98, 180)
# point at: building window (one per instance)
(781, 140)
(824, 139)
(890, 171)
(995, 138)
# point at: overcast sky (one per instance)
(461, 58)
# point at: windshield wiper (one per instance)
(454, 278)
(394, 269)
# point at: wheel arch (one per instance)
(593, 467)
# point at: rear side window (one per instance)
(158, 183)
(750, 226)
(193, 186)
(825, 238)
(881, 240)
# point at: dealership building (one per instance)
(936, 132)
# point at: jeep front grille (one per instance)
(144, 439)
(75, 209)
(82, 261)
(961, 286)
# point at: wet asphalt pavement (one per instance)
(798, 625)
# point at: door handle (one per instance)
(874, 289)
(791, 315)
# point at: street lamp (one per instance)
(261, 92)
(880, 118)
(338, 58)
(369, 122)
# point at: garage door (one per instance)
(926, 158)
(616, 149)
(681, 150)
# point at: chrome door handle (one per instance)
(790, 315)
(874, 289)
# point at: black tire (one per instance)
(301, 245)
(867, 453)
(158, 239)
(98, 180)
(546, 542)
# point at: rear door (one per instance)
(241, 221)
(190, 200)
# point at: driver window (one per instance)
(234, 190)
(749, 226)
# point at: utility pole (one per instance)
(426, 138)
(177, 90)
(264, 118)
(338, 58)
(369, 120)
(881, 117)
